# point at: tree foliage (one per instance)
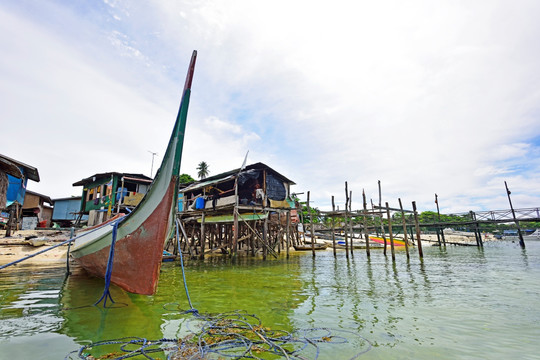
(185, 179)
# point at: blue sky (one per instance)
(427, 97)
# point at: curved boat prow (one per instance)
(142, 233)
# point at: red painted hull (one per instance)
(138, 256)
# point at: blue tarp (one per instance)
(16, 190)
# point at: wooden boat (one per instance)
(380, 240)
(307, 247)
(141, 234)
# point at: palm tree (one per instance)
(202, 170)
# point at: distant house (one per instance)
(67, 211)
(110, 192)
(35, 212)
(14, 176)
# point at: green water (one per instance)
(459, 303)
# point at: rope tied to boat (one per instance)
(235, 334)
(108, 273)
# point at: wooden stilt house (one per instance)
(249, 209)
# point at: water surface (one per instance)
(458, 303)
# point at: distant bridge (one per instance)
(491, 216)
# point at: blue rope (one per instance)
(192, 309)
(48, 249)
(108, 272)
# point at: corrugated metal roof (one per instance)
(95, 177)
(205, 183)
(258, 166)
(12, 167)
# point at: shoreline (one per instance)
(27, 242)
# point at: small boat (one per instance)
(140, 235)
(534, 236)
(355, 244)
(307, 247)
(380, 240)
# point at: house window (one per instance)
(90, 195)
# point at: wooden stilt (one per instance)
(417, 226)
(366, 234)
(404, 228)
(390, 232)
(333, 227)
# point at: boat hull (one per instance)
(146, 242)
(381, 241)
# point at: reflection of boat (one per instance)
(381, 241)
(83, 322)
(141, 234)
(307, 247)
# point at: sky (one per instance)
(427, 97)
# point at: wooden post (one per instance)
(404, 228)
(203, 237)
(520, 235)
(351, 222)
(10, 221)
(265, 237)
(311, 227)
(346, 220)
(390, 232)
(381, 217)
(417, 226)
(366, 235)
(477, 233)
(288, 232)
(440, 226)
(333, 226)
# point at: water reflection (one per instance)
(457, 302)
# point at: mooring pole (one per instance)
(390, 232)
(404, 228)
(440, 227)
(417, 226)
(346, 220)
(520, 235)
(477, 231)
(311, 227)
(366, 235)
(381, 217)
(351, 221)
(333, 226)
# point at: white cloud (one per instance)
(426, 97)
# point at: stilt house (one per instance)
(249, 208)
